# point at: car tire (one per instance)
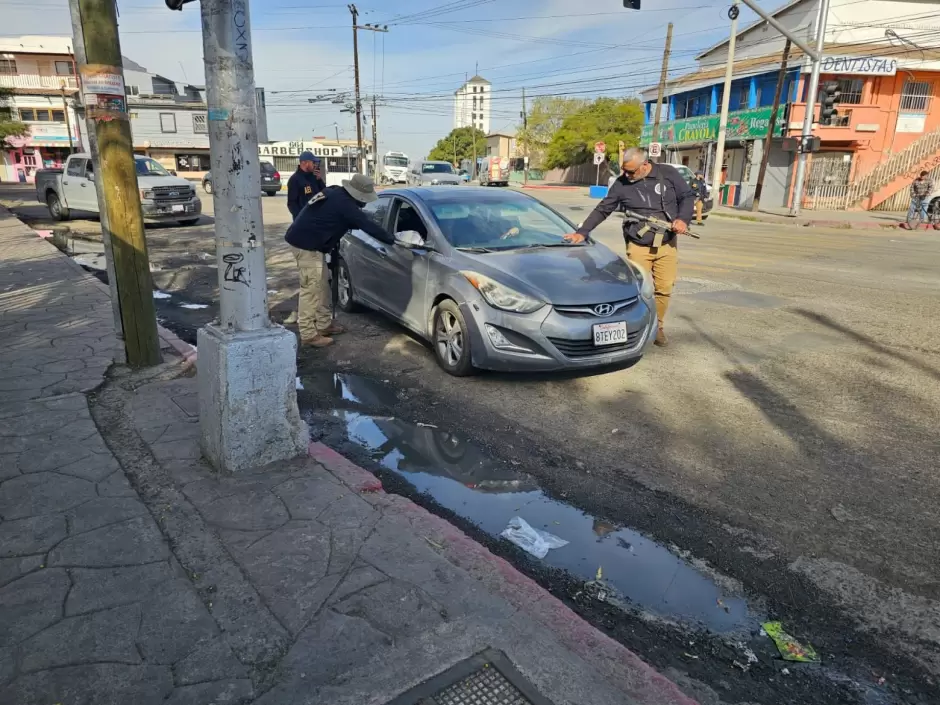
(189, 221)
(345, 293)
(56, 209)
(451, 340)
(207, 186)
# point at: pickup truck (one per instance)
(163, 196)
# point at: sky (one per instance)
(302, 49)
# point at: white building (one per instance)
(473, 104)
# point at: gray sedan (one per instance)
(487, 279)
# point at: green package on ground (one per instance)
(790, 648)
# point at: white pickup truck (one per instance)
(163, 196)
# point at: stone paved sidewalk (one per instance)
(131, 573)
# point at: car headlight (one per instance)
(146, 193)
(500, 296)
(435, 182)
(647, 289)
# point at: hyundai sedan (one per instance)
(488, 280)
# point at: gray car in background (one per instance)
(425, 173)
(487, 279)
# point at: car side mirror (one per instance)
(172, 172)
(410, 239)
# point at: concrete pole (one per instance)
(663, 76)
(798, 182)
(376, 171)
(768, 140)
(68, 120)
(725, 100)
(355, 28)
(247, 367)
(98, 48)
(525, 131)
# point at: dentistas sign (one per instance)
(859, 65)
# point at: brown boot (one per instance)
(333, 329)
(317, 341)
(660, 339)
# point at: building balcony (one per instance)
(32, 81)
(853, 123)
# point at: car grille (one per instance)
(587, 311)
(162, 194)
(577, 349)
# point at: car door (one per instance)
(403, 271)
(362, 254)
(72, 181)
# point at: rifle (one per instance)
(658, 226)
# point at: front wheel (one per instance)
(451, 340)
(207, 186)
(56, 209)
(345, 298)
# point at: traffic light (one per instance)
(827, 107)
(631, 4)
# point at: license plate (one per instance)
(179, 209)
(610, 333)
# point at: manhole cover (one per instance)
(485, 679)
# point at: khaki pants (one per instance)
(313, 304)
(699, 204)
(663, 263)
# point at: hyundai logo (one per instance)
(173, 193)
(603, 310)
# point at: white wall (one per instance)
(145, 127)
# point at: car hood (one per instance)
(151, 181)
(564, 276)
(441, 178)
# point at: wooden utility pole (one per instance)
(525, 132)
(102, 80)
(768, 140)
(68, 121)
(355, 27)
(663, 75)
(725, 102)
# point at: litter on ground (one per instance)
(790, 649)
(531, 540)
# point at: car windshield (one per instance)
(396, 161)
(149, 167)
(434, 168)
(499, 223)
(267, 168)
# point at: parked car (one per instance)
(487, 279)
(686, 173)
(425, 173)
(163, 196)
(494, 172)
(270, 180)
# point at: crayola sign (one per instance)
(742, 125)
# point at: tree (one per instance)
(8, 126)
(606, 119)
(460, 139)
(544, 119)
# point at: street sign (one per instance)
(600, 147)
(598, 158)
(655, 149)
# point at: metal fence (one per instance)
(827, 181)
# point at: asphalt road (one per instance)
(787, 436)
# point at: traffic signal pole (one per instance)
(725, 101)
(247, 368)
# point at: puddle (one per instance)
(351, 388)
(637, 571)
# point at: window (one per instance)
(481, 102)
(378, 210)
(7, 67)
(90, 170)
(63, 68)
(27, 115)
(473, 116)
(132, 90)
(167, 122)
(851, 90)
(474, 102)
(915, 96)
(192, 162)
(76, 167)
(474, 89)
(43, 116)
(744, 93)
(408, 218)
(200, 126)
(58, 116)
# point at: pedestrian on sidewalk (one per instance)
(921, 188)
(304, 184)
(316, 231)
(700, 189)
(651, 190)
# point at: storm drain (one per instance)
(488, 678)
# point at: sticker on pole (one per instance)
(103, 80)
(600, 147)
(598, 158)
(655, 149)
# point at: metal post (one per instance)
(768, 140)
(98, 48)
(68, 121)
(663, 75)
(525, 131)
(375, 142)
(725, 100)
(247, 367)
(355, 14)
(795, 203)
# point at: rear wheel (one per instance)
(56, 209)
(451, 340)
(345, 298)
(207, 186)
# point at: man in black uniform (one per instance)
(700, 189)
(657, 191)
(304, 184)
(317, 230)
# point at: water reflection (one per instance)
(460, 477)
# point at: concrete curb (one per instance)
(639, 681)
(811, 222)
